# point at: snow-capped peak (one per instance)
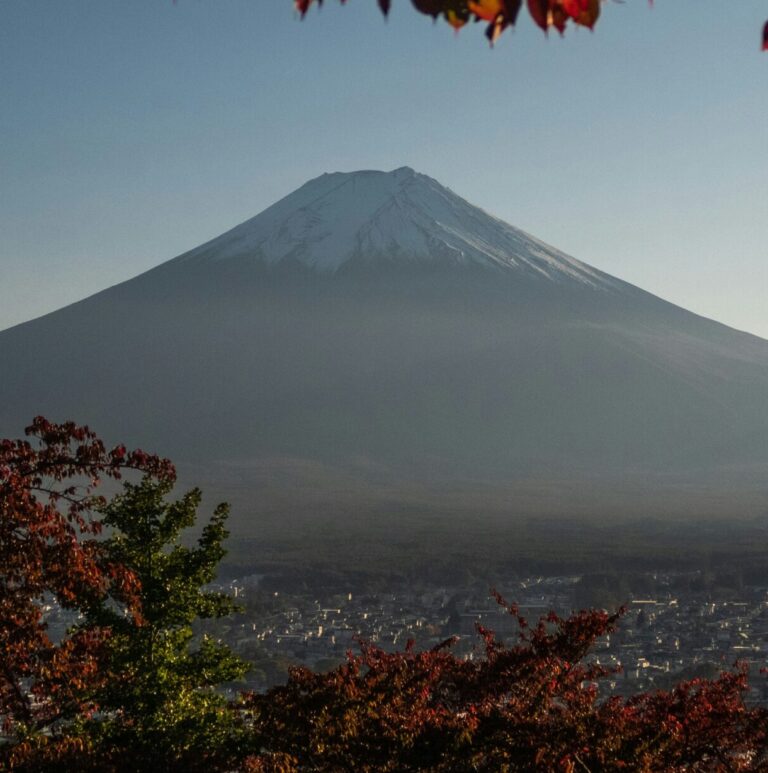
(398, 216)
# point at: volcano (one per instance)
(374, 338)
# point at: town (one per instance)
(687, 628)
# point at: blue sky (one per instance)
(133, 130)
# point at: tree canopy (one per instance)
(129, 688)
(160, 701)
(125, 687)
(49, 552)
(530, 705)
(500, 14)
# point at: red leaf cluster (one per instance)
(49, 552)
(500, 14)
(530, 706)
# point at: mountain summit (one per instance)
(376, 343)
(361, 217)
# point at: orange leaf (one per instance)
(486, 9)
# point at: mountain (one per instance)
(377, 218)
(373, 342)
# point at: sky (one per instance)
(134, 130)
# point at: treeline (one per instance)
(607, 590)
(451, 555)
(130, 688)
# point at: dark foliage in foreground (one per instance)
(500, 14)
(128, 689)
(531, 706)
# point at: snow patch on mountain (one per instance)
(389, 216)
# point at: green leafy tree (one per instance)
(160, 709)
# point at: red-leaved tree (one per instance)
(49, 553)
(532, 705)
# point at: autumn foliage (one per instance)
(532, 705)
(500, 14)
(124, 690)
(49, 550)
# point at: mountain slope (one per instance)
(381, 332)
